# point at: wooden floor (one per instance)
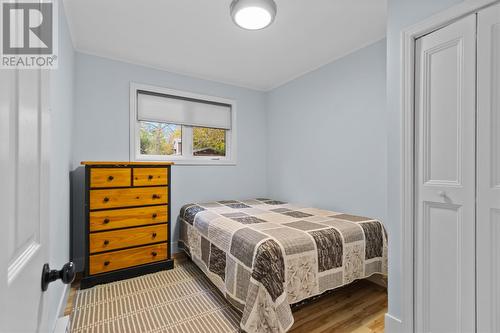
(358, 307)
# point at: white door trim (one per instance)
(408, 37)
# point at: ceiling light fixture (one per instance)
(253, 14)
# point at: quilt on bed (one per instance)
(265, 254)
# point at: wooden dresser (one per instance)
(127, 215)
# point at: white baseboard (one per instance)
(62, 325)
(393, 324)
(60, 309)
(64, 299)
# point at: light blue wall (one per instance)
(341, 106)
(102, 129)
(401, 14)
(327, 136)
(62, 106)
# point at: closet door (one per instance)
(488, 164)
(445, 115)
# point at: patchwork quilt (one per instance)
(265, 255)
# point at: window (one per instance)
(160, 139)
(209, 141)
(168, 125)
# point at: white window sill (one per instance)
(190, 161)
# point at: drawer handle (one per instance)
(154, 254)
(155, 215)
(106, 199)
(106, 242)
(150, 177)
(110, 178)
(156, 196)
(154, 234)
(106, 263)
(106, 221)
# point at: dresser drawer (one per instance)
(150, 176)
(119, 239)
(106, 262)
(128, 197)
(110, 177)
(128, 217)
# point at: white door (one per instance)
(24, 171)
(488, 165)
(445, 114)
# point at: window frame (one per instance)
(186, 158)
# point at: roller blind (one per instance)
(182, 111)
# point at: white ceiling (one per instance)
(198, 37)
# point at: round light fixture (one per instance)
(253, 14)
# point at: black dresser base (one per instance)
(126, 273)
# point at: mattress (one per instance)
(265, 255)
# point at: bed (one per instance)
(265, 255)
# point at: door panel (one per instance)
(24, 199)
(441, 145)
(445, 179)
(26, 234)
(7, 82)
(441, 221)
(488, 164)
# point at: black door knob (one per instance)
(66, 274)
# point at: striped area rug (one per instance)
(180, 300)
